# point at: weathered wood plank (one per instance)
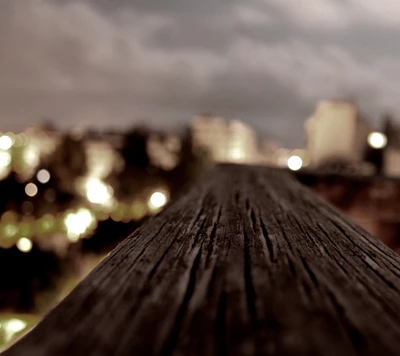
(247, 262)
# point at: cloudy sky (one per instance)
(267, 62)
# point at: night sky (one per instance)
(267, 62)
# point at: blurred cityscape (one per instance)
(68, 198)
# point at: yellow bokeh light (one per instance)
(5, 142)
(24, 244)
(12, 327)
(31, 189)
(295, 163)
(98, 192)
(24, 137)
(121, 213)
(377, 140)
(18, 141)
(26, 228)
(31, 156)
(102, 215)
(237, 153)
(138, 210)
(9, 216)
(78, 223)
(5, 159)
(45, 224)
(117, 215)
(157, 200)
(43, 176)
(10, 230)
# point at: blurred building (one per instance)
(271, 155)
(41, 143)
(391, 154)
(163, 150)
(336, 133)
(101, 158)
(224, 141)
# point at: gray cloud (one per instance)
(266, 62)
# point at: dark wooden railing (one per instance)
(246, 262)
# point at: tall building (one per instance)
(224, 141)
(336, 132)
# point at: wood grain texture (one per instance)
(247, 262)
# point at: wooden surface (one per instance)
(248, 262)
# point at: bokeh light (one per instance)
(157, 200)
(5, 159)
(78, 223)
(237, 153)
(377, 140)
(98, 192)
(31, 189)
(295, 163)
(12, 327)
(5, 142)
(138, 210)
(24, 244)
(10, 230)
(43, 176)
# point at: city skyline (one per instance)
(266, 63)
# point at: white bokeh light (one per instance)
(5, 159)
(43, 176)
(11, 327)
(31, 189)
(377, 140)
(98, 192)
(5, 142)
(78, 223)
(24, 244)
(295, 163)
(157, 200)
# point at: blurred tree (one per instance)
(138, 173)
(12, 193)
(47, 124)
(67, 163)
(192, 162)
(134, 150)
(336, 165)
